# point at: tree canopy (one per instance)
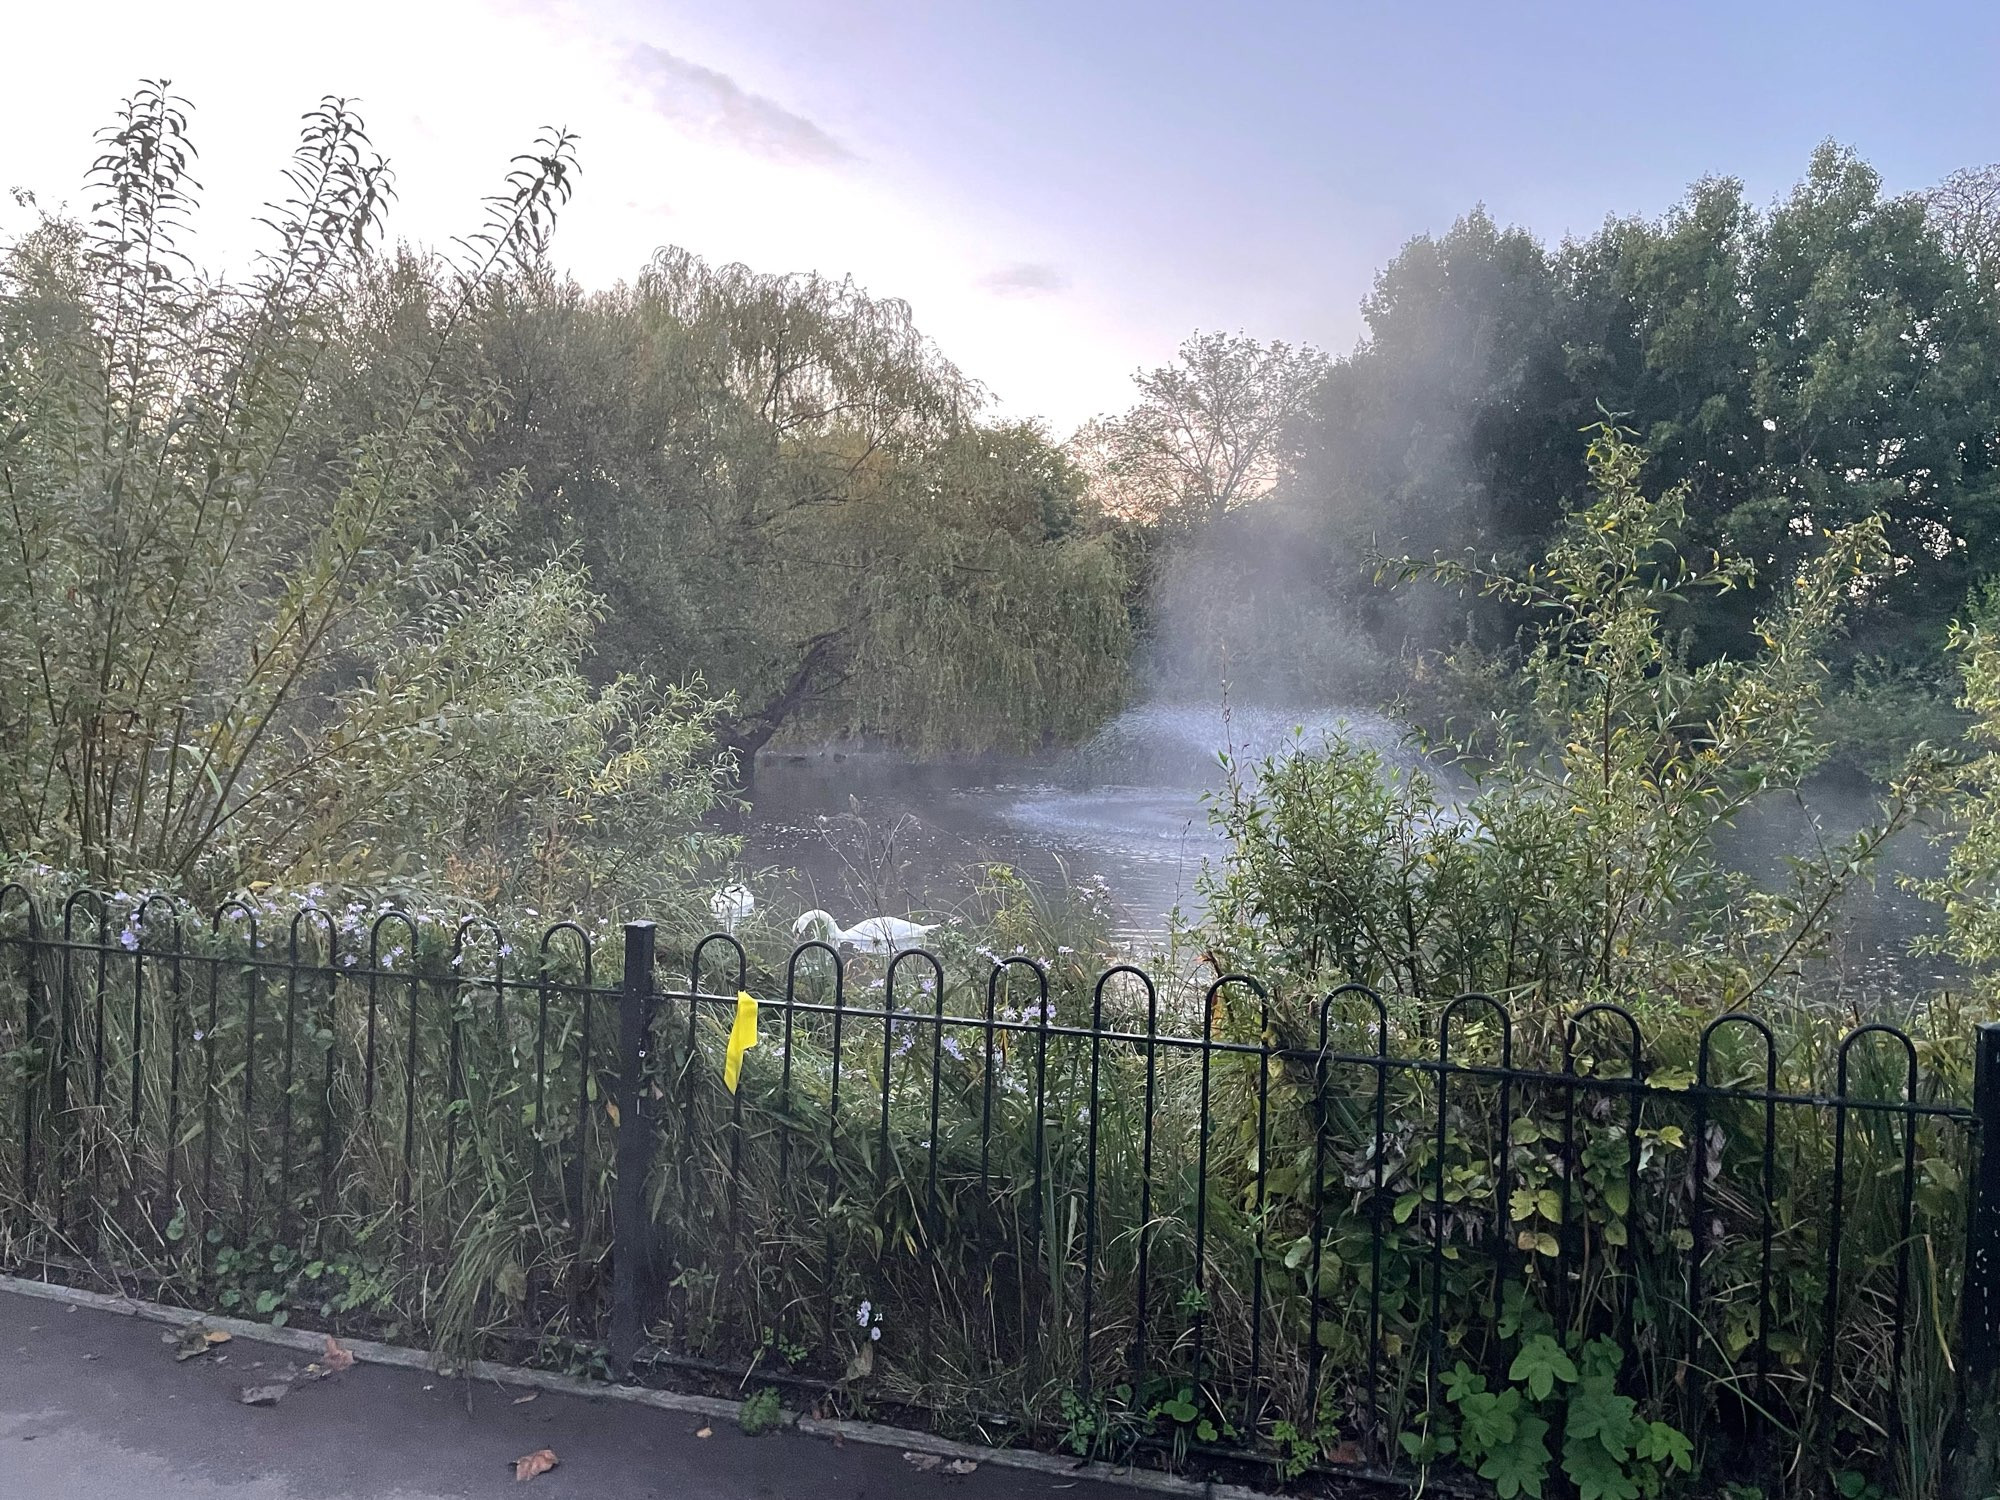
(1798, 367)
(434, 569)
(783, 488)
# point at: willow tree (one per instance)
(253, 621)
(783, 487)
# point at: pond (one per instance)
(870, 835)
(864, 834)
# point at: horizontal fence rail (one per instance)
(1034, 1203)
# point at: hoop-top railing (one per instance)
(1097, 1209)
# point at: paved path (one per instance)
(93, 1405)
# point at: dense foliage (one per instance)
(439, 575)
(431, 570)
(1799, 367)
(1582, 861)
(1571, 879)
(257, 620)
(780, 485)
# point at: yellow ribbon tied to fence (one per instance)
(742, 1037)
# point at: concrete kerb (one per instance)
(716, 1409)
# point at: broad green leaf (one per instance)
(1540, 1364)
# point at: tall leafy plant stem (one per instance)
(523, 224)
(335, 173)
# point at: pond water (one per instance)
(871, 835)
(864, 835)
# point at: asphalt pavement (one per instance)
(93, 1404)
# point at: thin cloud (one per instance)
(720, 108)
(1026, 279)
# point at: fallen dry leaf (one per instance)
(336, 1358)
(702, 1432)
(524, 1400)
(265, 1395)
(528, 1465)
(195, 1340)
(933, 1463)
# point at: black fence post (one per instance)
(631, 1231)
(1978, 1444)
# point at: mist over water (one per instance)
(869, 834)
(1126, 808)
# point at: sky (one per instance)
(1061, 191)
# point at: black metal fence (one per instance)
(1032, 1203)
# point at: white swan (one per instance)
(869, 935)
(731, 907)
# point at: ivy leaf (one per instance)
(1540, 1364)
